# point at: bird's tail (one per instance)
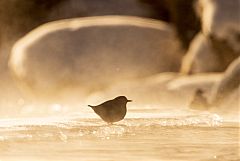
(90, 106)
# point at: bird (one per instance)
(112, 110)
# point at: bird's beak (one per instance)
(129, 100)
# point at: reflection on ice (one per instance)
(112, 130)
(73, 127)
(151, 135)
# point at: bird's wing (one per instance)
(107, 104)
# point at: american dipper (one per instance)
(112, 110)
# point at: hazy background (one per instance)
(203, 35)
(19, 17)
(178, 60)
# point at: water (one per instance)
(144, 135)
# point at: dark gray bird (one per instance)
(112, 110)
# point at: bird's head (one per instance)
(122, 99)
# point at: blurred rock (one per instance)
(220, 18)
(218, 45)
(165, 90)
(184, 87)
(86, 8)
(179, 13)
(224, 95)
(18, 17)
(220, 92)
(199, 101)
(74, 57)
(229, 84)
(200, 57)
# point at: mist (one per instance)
(177, 60)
